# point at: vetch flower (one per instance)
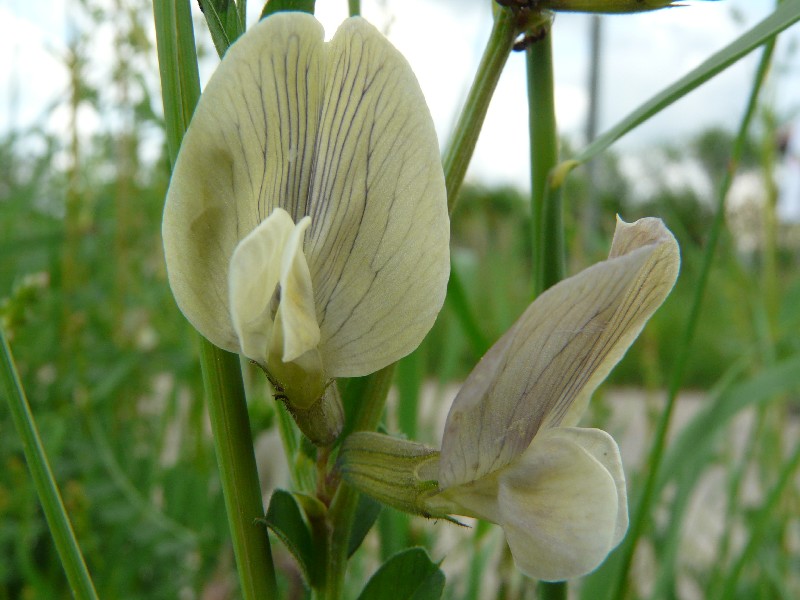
(511, 452)
(306, 220)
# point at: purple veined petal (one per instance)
(336, 131)
(542, 371)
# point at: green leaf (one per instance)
(273, 6)
(408, 575)
(223, 21)
(286, 521)
(367, 512)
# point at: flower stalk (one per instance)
(233, 442)
(343, 507)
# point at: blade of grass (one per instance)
(762, 521)
(80, 582)
(783, 17)
(409, 379)
(457, 300)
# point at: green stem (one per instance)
(462, 144)
(343, 507)
(640, 513)
(546, 221)
(552, 590)
(80, 582)
(233, 442)
(354, 7)
(177, 65)
(241, 12)
(222, 375)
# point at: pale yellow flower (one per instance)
(511, 451)
(306, 222)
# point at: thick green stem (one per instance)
(354, 7)
(640, 513)
(233, 442)
(222, 373)
(343, 507)
(462, 144)
(552, 590)
(546, 221)
(80, 582)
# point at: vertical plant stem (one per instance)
(546, 221)
(222, 373)
(552, 590)
(343, 507)
(241, 11)
(80, 582)
(462, 144)
(233, 442)
(354, 7)
(640, 512)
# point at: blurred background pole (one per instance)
(590, 208)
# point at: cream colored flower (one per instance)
(306, 221)
(511, 451)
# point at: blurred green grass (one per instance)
(110, 367)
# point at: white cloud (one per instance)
(443, 41)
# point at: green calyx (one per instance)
(321, 422)
(399, 473)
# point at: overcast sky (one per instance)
(443, 41)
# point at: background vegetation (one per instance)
(110, 366)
